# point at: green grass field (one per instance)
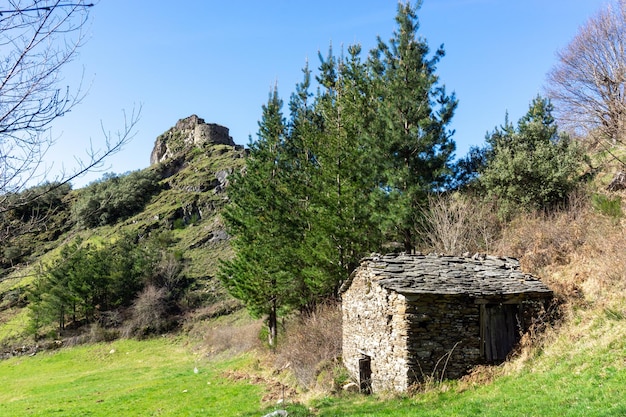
(157, 378)
(124, 378)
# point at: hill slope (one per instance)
(191, 166)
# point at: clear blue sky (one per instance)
(218, 59)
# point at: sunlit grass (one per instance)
(124, 378)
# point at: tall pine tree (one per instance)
(414, 113)
(344, 222)
(261, 273)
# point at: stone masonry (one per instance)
(190, 131)
(415, 317)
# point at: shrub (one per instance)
(532, 166)
(454, 224)
(149, 313)
(115, 197)
(312, 344)
(540, 239)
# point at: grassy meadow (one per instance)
(125, 378)
(166, 376)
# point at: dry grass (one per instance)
(228, 334)
(541, 239)
(579, 253)
(311, 348)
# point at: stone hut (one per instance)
(408, 318)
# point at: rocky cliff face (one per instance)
(187, 133)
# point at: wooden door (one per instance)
(500, 330)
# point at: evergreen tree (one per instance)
(344, 229)
(369, 146)
(87, 280)
(258, 217)
(531, 166)
(414, 111)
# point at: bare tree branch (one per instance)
(588, 83)
(38, 38)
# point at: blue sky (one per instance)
(218, 59)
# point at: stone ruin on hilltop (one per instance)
(188, 132)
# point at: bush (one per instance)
(541, 239)
(454, 224)
(312, 344)
(533, 166)
(149, 313)
(115, 197)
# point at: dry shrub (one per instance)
(216, 330)
(540, 239)
(601, 265)
(579, 251)
(95, 333)
(232, 339)
(149, 313)
(312, 345)
(455, 224)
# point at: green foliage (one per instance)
(606, 205)
(350, 167)
(115, 197)
(265, 226)
(36, 202)
(413, 113)
(531, 166)
(37, 215)
(87, 280)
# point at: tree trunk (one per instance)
(272, 325)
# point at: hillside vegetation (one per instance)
(573, 367)
(208, 283)
(155, 233)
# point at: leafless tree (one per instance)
(455, 224)
(587, 85)
(38, 38)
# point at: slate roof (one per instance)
(435, 274)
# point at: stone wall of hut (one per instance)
(374, 325)
(444, 336)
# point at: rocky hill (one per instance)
(188, 133)
(190, 170)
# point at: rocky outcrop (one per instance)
(188, 133)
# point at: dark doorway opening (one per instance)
(365, 374)
(499, 330)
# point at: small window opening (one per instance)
(365, 374)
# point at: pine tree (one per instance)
(261, 273)
(414, 112)
(344, 225)
(531, 166)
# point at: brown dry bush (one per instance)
(455, 224)
(578, 251)
(542, 239)
(232, 339)
(149, 313)
(311, 345)
(224, 328)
